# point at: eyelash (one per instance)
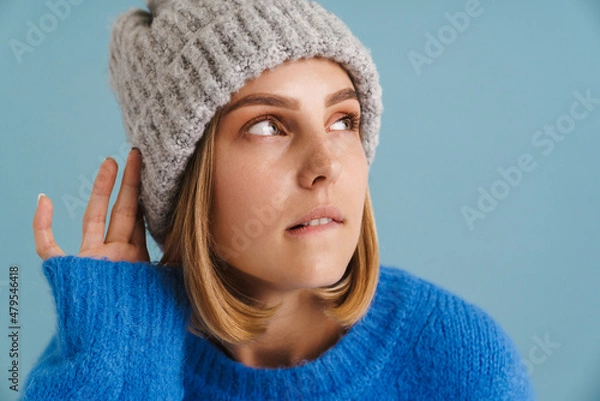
(353, 117)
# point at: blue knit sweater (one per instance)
(122, 335)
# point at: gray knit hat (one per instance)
(172, 68)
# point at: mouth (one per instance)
(314, 223)
(320, 216)
(313, 227)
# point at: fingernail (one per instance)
(40, 196)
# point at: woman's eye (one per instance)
(349, 123)
(345, 124)
(264, 128)
(269, 127)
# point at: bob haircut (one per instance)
(219, 310)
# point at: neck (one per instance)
(300, 331)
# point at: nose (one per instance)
(320, 163)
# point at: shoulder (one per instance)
(459, 347)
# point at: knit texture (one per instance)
(172, 68)
(121, 336)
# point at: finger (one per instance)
(45, 245)
(94, 219)
(123, 215)
(138, 238)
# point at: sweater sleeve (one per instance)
(493, 365)
(120, 332)
(465, 354)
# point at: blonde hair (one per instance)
(219, 309)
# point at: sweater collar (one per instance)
(343, 370)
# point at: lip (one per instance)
(309, 230)
(321, 212)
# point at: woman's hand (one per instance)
(126, 237)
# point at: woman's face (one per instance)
(287, 144)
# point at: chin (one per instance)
(322, 276)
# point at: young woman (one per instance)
(255, 123)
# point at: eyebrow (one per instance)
(286, 102)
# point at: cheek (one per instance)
(230, 191)
(242, 195)
(357, 182)
(358, 168)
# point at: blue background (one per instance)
(448, 127)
